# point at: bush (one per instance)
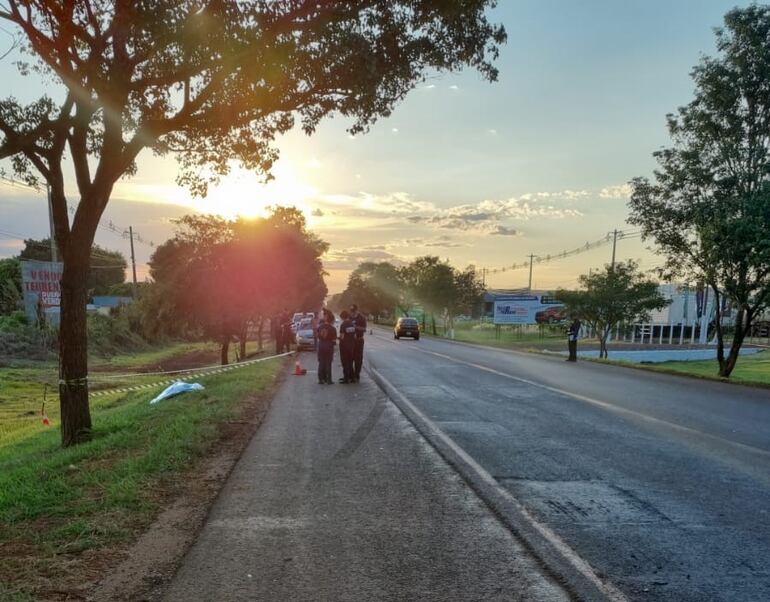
(21, 340)
(111, 335)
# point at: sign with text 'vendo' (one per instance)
(40, 283)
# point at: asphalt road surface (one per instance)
(338, 498)
(659, 485)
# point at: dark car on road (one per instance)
(407, 327)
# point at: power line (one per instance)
(109, 226)
(94, 253)
(589, 246)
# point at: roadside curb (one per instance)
(556, 558)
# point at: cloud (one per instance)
(561, 195)
(488, 217)
(505, 231)
(620, 191)
(352, 257)
(317, 213)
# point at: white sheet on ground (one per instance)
(176, 389)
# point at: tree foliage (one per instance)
(216, 277)
(10, 285)
(214, 83)
(608, 297)
(379, 288)
(708, 208)
(374, 287)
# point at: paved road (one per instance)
(660, 483)
(338, 498)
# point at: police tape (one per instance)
(199, 373)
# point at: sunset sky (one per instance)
(473, 172)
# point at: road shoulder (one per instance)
(338, 497)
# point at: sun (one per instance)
(241, 194)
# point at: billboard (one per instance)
(40, 283)
(415, 311)
(528, 309)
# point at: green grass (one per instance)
(148, 358)
(750, 369)
(64, 501)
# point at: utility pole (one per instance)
(531, 259)
(614, 244)
(484, 277)
(54, 257)
(133, 259)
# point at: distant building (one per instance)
(104, 303)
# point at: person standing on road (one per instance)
(358, 353)
(572, 338)
(347, 347)
(286, 333)
(327, 338)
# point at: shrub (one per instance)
(111, 335)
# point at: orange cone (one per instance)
(298, 369)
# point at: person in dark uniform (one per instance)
(327, 338)
(358, 353)
(347, 347)
(286, 334)
(572, 338)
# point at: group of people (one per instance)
(351, 341)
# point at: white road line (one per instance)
(549, 535)
(602, 404)
(606, 405)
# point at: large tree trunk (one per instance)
(605, 332)
(719, 331)
(73, 349)
(225, 350)
(242, 338)
(726, 365)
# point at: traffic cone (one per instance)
(299, 370)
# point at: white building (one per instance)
(685, 306)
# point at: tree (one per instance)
(470, 291)
(433, 282)
(213, 82)
(708, 209)
(218, 277)
(108, 268)
(10, 285)
(619, 293)
(374, 287)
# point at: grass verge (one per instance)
(59, 507)
(753, 370)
